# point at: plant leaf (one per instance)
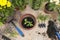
(1, 24)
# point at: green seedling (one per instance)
(28, 23)
(20, 4)
(42, 17)
(52, 6)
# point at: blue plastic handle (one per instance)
(19, 31)
(58, 35)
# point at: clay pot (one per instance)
(30, 18)
(46, 9)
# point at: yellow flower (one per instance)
(3, 2)
(0, 2)
(8, 4)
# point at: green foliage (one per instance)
(5, 13)
(51, 6)
(36, 4)
(13, 34)
(28, 23)
(1, 24)
(42, 17)
(19, 3)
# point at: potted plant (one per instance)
(36, 4)
(51, 6)
(42, 18)
(6, 10)
(27, 21)
(19, 4)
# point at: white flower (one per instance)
(56, 1)
(51, 0)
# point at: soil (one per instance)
(29, 19)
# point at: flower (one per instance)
(4, 6)
(8, 4)
(0, 2)
(56, 1)
(3, 2)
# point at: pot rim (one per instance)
(27, 15)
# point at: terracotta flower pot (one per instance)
(26, 19)
(46, 9)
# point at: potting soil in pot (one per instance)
(28, 22)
